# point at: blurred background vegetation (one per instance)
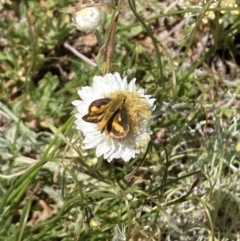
(187, 188)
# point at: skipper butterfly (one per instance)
(110, 115)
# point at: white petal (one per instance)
(100, 86)
(92, 143)
(100, 149)
(132, 85)
(76, 102)
(85, 93)
(124, 84)
(82, 108)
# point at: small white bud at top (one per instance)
(87, 19)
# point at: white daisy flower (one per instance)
(114, 117)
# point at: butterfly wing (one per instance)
(118, 126)
(96, 110)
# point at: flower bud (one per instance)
(87, 19)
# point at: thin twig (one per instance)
(79, 55)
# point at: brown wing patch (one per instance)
(118, 127)
(96, 110)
